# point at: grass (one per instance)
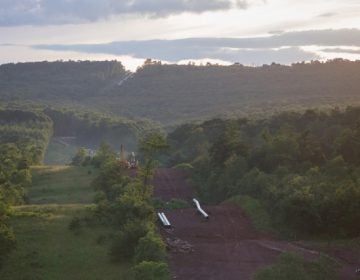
(46, 248)
(61, 184)
(174, 203)
(58, 153)
(295, 267)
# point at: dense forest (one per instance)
(90, 128)
(29, 131)
(21, 122)
(302, 168)
(172, 94)
(58, 82)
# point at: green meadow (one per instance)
(46, 248)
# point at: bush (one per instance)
(75, 224)
(123, 246)
(292, 266)
(151, 271)
(150, 248)
(79, 158)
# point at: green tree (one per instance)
(150, 248)
(104, 155)
(151, 271)
(79, 158)
(150, 148)
(124, 244)
(111, 180)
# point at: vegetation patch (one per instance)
(53, 242)
(174, 203)
(62, 185)
(292, 266)
(255, 210)
(303, 168)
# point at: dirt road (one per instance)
(226, 246)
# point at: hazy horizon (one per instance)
(252, 32)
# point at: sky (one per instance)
(251, 32)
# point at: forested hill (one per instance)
(58, 82)
(177, 93)
(172, 92)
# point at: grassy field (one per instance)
(61, 185)
(46, 248)
(58, 153)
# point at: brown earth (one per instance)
(224, 247)
(171, 183)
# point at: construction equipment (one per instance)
(133, 163)
(130, 161)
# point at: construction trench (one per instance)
(222, 244)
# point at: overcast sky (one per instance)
(251, 32)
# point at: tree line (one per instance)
(303, 168)
(125, 204)
(24, 136)
(172, 94)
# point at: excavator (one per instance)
(130, 161)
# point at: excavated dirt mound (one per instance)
(223, 247)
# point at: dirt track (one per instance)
(226, 246)
(171, 183)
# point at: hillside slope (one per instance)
(176, 93)
(169, 93)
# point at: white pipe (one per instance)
(161, 218)
(166, 219)
(197, 203)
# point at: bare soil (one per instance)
(224, 247)
(171, 183)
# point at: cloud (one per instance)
(199, 47)
(47, 12)
(341, 50)
(242, 4)
(327, 15)
(177, 50)
(282, 48)
(276, 32)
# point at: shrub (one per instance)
(150, 248)
(124, 244)
(292, 266)
(151, 271)
(75, 224)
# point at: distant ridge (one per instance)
(171, 94)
